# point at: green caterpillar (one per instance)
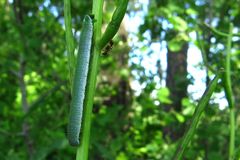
(80, 81)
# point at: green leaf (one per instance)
(174, 45)
(122, 156)
(163, 95)
(179, 117)
(191, 11)
(179, 24)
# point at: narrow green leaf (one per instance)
(69, 40)
(196, 118)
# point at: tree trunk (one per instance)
(177, 83)
(177, 77)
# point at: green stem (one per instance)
(82, 151)
(214, 30)
(69, 40)
(228, 88)
(196, 118)
(229, 93)
(204, 55)
(232, 134)
(114, 24)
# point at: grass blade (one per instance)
(196, 118)
(69, 40)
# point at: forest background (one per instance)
(148, 85)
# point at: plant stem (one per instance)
(196, 118)
(114, 24)
(204, 55)
(69, 40)
(232, 134)
(228, 88)
(82, 151)
(214, 30)
(229, 93)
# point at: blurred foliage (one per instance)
(126, 125)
